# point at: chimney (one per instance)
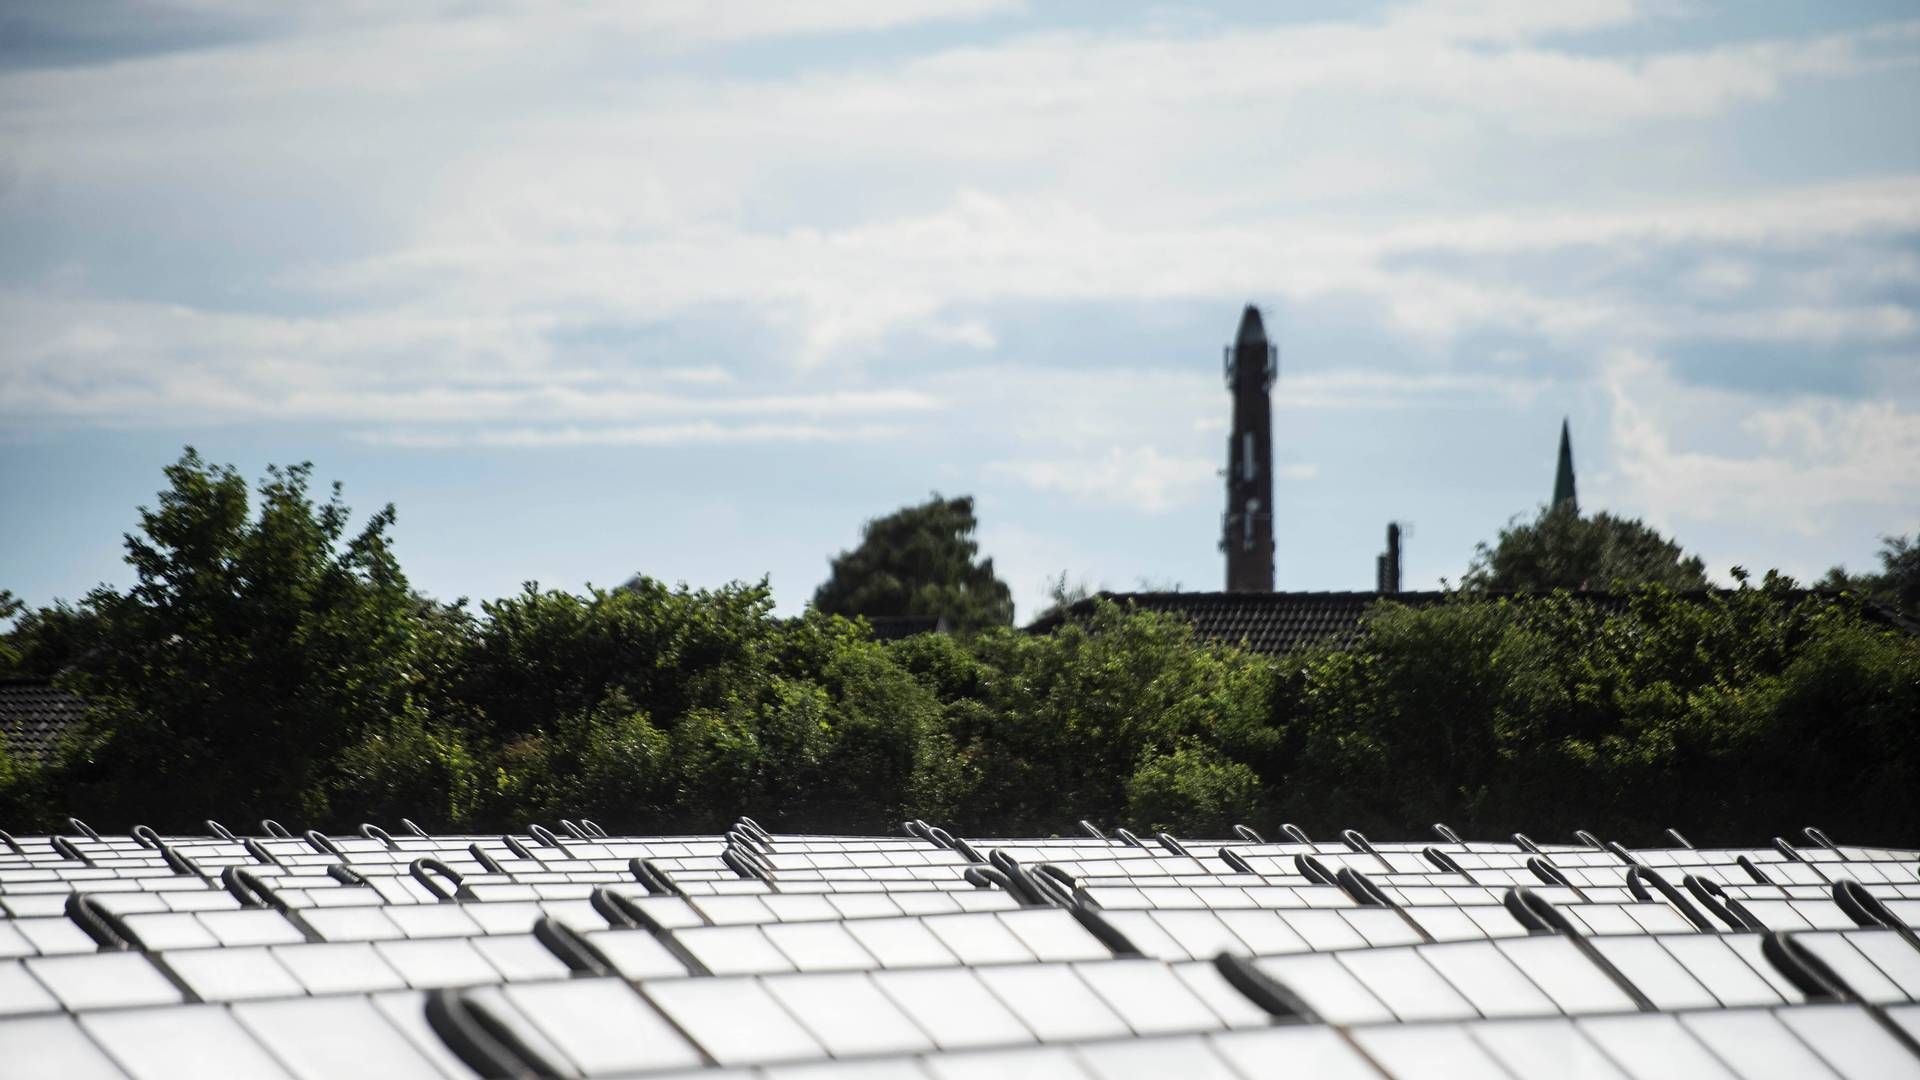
(1387, 567)
(1252, 363)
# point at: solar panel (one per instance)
(899, 956)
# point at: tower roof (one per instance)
(1252, 330)
(1563, 471)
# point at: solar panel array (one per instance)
(570, 952)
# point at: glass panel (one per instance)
(733, 910)
(1896, 959)
(1155, 1059)
(21, 993)
(1545, 1048)
(1146, 935)
(432, 921)
(446, 962)
(55, 1046)
(671, 912)
(511, 918)
(863, 905)
(734, 1020)
(1148, 996)
(1327, 988)
(790, 908)
(520, 957)
(1230, 1005)
(1053, 1002)
(898, 943)
(1569, 978)
(871, 1069)
(1846, 962)
(1404, 983)
(186, 1043)
(1324, 930)
(1382, 926)
(1054, 934)
(1851, 1041)
(232, 974)
(1447, 924)
(101, 979)
(733, 950)
(1659, 919)
(637, 954)
(251, 926)
(170, 930)
(1497, 921)
(1723, 973)
(1653, 1047)
(334, 1037)
(1317, 1052)
(1754, 1044)
(979, 939)
(347, 966)
(848, 1014)
(13, 943)
(952, 1006)
(1747, 947)
(1201, 933)
(351, 924)
(1655, 972)
(603, 1026)
(1263, 932)
(1426, 1052)
(1036, 1063)
(1488, 979)
(406, 1011)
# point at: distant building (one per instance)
(1277, 623)
(1246, 528)
(1563, 472)
(34, 714)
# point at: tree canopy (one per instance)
(271, 661)
(919, 560)
(257, 643)
(1897, 584)
(1560, 549)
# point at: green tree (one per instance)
(1560, 549)
(257, 644)
(1897, 585)
(920, 560)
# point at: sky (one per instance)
(693, 288)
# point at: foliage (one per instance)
(269, 662)
(1897, 585)
(1560, 549)
(1747, 713)
(919, 560)
(1062, 594)
(256, 645)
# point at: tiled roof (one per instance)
(1280, 622)
(774, 956)
(34, 713)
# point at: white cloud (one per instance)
(1140, 478)
(1686, 453)
(704, 433)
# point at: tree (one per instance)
(919, 560)
(1560, 549)
(1898, 583)
(257, 644)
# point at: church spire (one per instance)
(1563, 473)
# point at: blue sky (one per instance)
(695, 288)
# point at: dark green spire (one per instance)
(1563, 473)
